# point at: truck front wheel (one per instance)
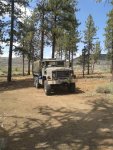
(47, 88)
(71, 87)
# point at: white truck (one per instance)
(51, 73)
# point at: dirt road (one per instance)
(63, 121)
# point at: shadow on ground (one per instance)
(17, 84)
(3, 138)
(64, 129)
(64, 91)
(27, 83)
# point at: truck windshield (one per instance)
(55, 64)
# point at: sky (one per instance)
(98, 12)
(86, 8)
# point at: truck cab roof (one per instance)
(52, 60)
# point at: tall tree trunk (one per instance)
(112, 69)
(72, 59)
(69, 58)
(42, 35)
(88, 69)
(29, 66)
(61, 53)
(11, 44)
(88, 64)
(83, 56)
(23, 64)
(32, 59)
(83, 71)
(112, 59)
(42, 45)
(54, 38)
(93, 66)
(66, 54)
(53, 46)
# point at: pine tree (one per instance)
(63, 25)
(89, 35)
(42, 29)
(27, 40)
(54, 13)
(11, 44)
(73, 35)
(14, 11)
(41, 13)
(4, 8)
(95, 54)
(1, 35)
(109, 38)
(109, 1)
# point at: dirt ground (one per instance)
(33, 121)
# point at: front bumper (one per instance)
(61, 81)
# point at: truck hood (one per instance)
(58, 69)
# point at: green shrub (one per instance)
(107, 89)
(103, 90)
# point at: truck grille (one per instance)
(61, 74)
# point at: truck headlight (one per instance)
(53, 75)
(48, 77)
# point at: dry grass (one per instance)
(107, 89)
(80, 121)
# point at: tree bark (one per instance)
(54, 39)
(32, 59)
(69, 58)
(88, 71)
(88, 63)
(23, 64)
(61, 53)
(112, 69)
(83, 57)
(53, 46)
(93, 66)
(42, 35)
(29, 66)
(11, 44)
(42, 45)
(72, 60)
(112, 60)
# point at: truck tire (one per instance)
(47, 88)
(37, 85)
(71, 87)
(34, 81)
